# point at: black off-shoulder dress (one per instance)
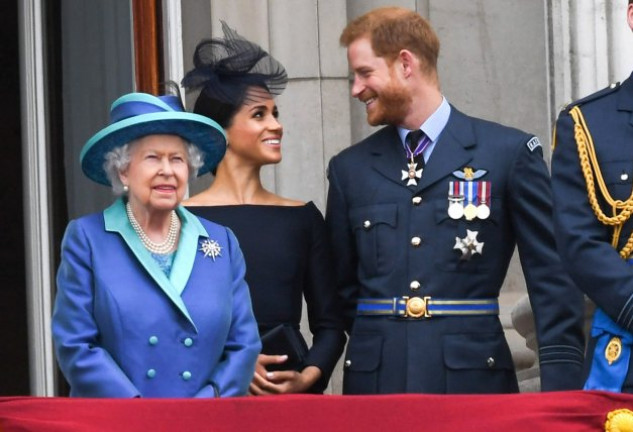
(287, 257)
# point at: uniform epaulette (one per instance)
(597, 95)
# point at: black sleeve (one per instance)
(324, 309)
(343, 247)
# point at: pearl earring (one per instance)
(125, 188)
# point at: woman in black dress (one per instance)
(283, 240)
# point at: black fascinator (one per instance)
(226, 68)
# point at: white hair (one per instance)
(117, 160)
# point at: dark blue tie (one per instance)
(416, 148)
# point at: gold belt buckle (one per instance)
(417, 307)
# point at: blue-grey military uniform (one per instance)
(395, 242)
(592, 236)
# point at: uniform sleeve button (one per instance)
(366, 224)
(151, 373)
(490, 362)
(186, 375)
(348, 363)
(188, 342)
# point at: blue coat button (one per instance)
(153, 340)
(188, 342)
(151, 373)
(186, 375)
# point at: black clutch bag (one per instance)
(285, 339)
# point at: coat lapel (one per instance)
(451, 152)
(390, 158)
(188, 248)
(116, 221)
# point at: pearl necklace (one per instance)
(157, 248)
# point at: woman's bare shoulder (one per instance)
(201, 199)
(288, 202)
(267, 198)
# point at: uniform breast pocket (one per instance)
(375, 231)
(463, 245)
(618, 176)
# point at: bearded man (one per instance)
(424, 216)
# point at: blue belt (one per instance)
(426, 307)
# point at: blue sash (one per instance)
(605, 376)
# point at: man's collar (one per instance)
(434, 125)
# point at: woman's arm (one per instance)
(88, 368)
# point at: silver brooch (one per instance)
(211, 248)
(468, 245)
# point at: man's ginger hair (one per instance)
(392, 29)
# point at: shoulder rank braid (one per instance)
(621, 210)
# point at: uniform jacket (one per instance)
(121, 327)
(585, 243)
(372, 217)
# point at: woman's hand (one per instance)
(279, 382)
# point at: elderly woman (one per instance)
(152, 300)
(284, 240)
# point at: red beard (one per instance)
(390, 107)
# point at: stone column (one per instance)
(589, 46)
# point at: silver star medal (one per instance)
(211, 248)
(468, 245)
(412, 174)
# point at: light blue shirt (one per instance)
(432, 127)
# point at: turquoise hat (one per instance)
(136, 115)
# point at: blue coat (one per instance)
(585, 242)
(122, 328)
(373, 218)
